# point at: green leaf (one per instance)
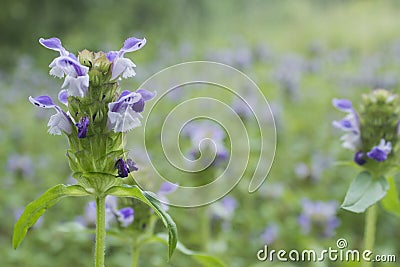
(36, 208)
(391, 202)
(204, 259)
(364, 191)
(146, 197)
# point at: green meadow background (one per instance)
(301, 54)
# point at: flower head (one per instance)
(319, 216)
(123, 66)
(125, 216)
(76, 75)
(124, 114)
(59, 122)
(372, 132)
(125, 167)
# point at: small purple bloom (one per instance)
(350, 124)
(63, 97)
(89, 217)
(76, 75)
(199, 131)
(270, 233)
(54, 44)
(380, 153)
(124, 168)
(123, 66)
(359, 158)
(344, 105)
(21, 165)
(124, 114)
(125, 216)
(225, 208)
(166, 188)
(82, 126)
(59, 122)
(319, 216)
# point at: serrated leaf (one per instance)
(391, 201)
(36, 208)
(364, 191)
(204, 259)
(146, 197)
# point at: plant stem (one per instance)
(135, 254)
(204, 228)
(100, 230)
(369, 231)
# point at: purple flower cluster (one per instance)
(123, 114)
(124, 216)
(319, 216)
(352, 137)
(204, 130)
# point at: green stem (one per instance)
(100, 230)
(135, 255)
(369, 231)
(204, 228)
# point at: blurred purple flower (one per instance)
(270, 233)
(225, 208)
(166, 188)
(203, 130)
(21, 165)
(380, 152)
(124, 216)
(319, 216)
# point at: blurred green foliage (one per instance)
(345, 48)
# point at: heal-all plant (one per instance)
(95, 118)
(372, 133)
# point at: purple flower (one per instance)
(270, 233)
(350, 124)
(225, 208)
(63, 97)
(89, 217)
(380, 152)
(59, 122)
(76, 75)
(21, 165)
(82, 127)
(124, 114)
(359, 158)
(199, 131)
(124, 66)
(319, 216)
(125, 167)
(166, 188)
(125, 216)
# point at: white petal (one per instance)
(120, 65)
(76, 86)
(123, 122)
(59, 122)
